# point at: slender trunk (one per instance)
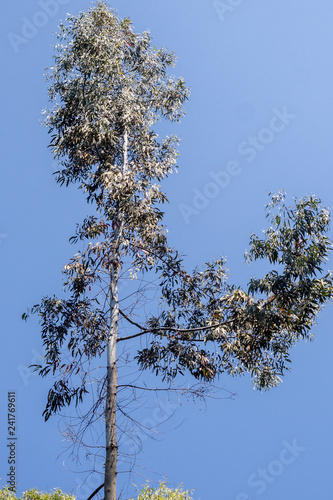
(111, 459)
(110, 481)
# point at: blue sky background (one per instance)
(246, 63)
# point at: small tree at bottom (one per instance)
(164, 493)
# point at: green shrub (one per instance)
(163, 493)
(7, 494)
(148, 493)
(57, 494)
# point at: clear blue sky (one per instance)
(259, 120)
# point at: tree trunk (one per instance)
(111, 459)
(110, 481)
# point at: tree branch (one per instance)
(95, 492)
(174, 389)
(170, 329)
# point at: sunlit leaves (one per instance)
(163, 493)
(107, 80)
(57, 494)
(252, 332)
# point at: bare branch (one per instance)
(95, 492)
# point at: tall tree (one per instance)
(109, 87)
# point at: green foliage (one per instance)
(7, 494)
(148, 493)
(109, 87)
(163, 493)
(253, 330)
(57, 494)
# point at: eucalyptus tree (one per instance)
(109, 87)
